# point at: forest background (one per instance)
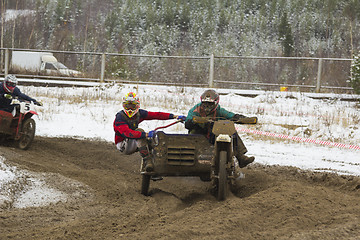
(319, 28)
(285, 28)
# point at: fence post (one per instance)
(6, 71)
(318, 81)
(102, 74)
(211, 71)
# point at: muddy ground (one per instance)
(270, 203)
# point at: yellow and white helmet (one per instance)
(131, 104)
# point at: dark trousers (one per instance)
(239, 146)
(8, 108)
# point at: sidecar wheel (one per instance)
(222, 176)
(145, 183)
(2, 139)
(27, 134)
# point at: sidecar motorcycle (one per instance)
(18, 126)
(194, 155)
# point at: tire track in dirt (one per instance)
(272, 202)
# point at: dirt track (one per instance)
(270, 203)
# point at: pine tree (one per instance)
(355, 74)
(285, 36)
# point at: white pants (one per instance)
(129, 146)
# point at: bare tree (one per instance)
(3, 11)
(13, 31)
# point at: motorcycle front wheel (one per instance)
(27, 134)
(222, 177)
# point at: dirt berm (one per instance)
(270, 203)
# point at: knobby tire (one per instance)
(28, 133)
(145, 183)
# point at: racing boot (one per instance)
(156, 178)
(244, 160)
(239, 151)
(148, 165)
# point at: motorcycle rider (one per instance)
(129, 138)
(8, 90)
(209, 107)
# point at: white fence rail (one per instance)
(251, 72)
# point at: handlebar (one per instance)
(246, 120)
(177, 121)
(17, 99)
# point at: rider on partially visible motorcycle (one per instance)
(129, 138)
(209, 107)
(8, 90)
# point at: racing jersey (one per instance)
(125, 127)
(203, 128)
(5, 102)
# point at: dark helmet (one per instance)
(209, 101)
(10, 82)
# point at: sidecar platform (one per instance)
(5, 122)
(181, 155)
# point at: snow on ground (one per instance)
(89, 112)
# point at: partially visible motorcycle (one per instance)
(18, 126)
(194, 155)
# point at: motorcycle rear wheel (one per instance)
(27, 134)
(2, 138)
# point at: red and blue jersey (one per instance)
(125, 127)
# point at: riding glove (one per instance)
(151, 134)
(8, 96)
(181, 117)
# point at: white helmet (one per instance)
(10, 83)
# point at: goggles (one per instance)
(208, 104)
(11, 84)
(131, 106)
